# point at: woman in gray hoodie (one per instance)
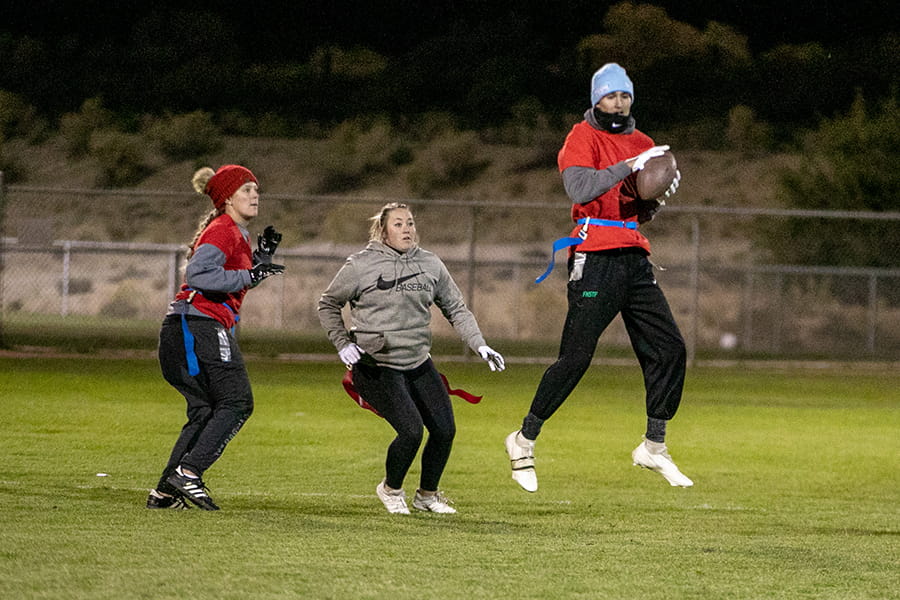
(390, 286)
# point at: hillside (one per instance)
(527, 173)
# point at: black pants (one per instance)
(219, 398)
(613, 282)
(409, 401)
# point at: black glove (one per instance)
(268, 240)
(262, 270)
(266, 243)
(647, 209)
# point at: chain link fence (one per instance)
(91, 260)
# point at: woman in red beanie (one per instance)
(198, 352)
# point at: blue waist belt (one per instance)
(565, 242)
(191, 356)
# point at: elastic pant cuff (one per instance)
(656, 430)
(531, 426)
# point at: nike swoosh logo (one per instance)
(381, 284)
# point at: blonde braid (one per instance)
(198, 181)
(204, 222)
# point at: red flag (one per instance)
(460, 392)
(347, 381)
(351, 391)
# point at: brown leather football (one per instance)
(656, 176)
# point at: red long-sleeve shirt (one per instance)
(217, 271)
(588, 147)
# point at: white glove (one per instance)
(350, 354)
(493, 358)
(672, 188)
(641, 159)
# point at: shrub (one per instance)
(271, 125)
(121, 157)
(17, 117)
(185, 136)
(12, 168)
(356, 151)
(344, 224)
(850, 164)
(451, 160)
(77, 128)
(745, 134)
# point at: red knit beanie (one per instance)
(227, 180)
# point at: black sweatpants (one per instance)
(613, 282)
(219, 398)
(409, 401)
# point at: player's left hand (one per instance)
(647, 209)
(494, 359)
(268, 240)
(350, 354)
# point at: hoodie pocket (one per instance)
(371, 342)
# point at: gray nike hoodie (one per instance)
(390, 295)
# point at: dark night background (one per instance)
(290, 29)
(473, 59)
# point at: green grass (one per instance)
(796, 491)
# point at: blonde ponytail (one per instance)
(201, 178)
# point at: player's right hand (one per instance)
(350, 354)
(261, 271)
(641, 159)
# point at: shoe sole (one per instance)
(437, 512)
(177, 505)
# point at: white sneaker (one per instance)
(660, 462)
(435, 503)
(521, 459)
(394, 502)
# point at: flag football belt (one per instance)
(192, 363)
(347, 381)
(565, 242)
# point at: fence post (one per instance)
(747, 313)
(695, 290)
(64, 284)
(470, 262)
(778, 320)
(873, 313)
(173, 276)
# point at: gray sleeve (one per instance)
(450, 300)
(343, 288)
(583, 184)
(206, 271)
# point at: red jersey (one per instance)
(586, 146)
(223, 306)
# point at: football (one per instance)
(656, 176)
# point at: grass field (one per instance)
(797, 489)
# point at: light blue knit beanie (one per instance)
(608, 79)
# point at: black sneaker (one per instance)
(158, 500)
(192, 489)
